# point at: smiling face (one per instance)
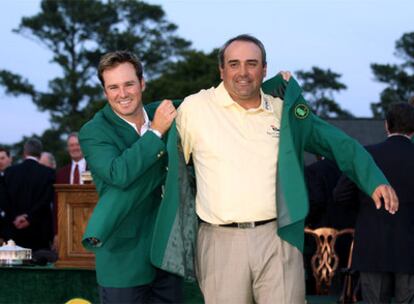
(124, 90)
(74, 148)
(243, 72)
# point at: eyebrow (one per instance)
(248, 61)
(124, 83)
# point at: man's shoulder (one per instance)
(97, 123)
(199, 98)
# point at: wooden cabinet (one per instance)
(75, 204)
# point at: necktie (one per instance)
(76, 179)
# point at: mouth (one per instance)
(125, 102)
(243, 82)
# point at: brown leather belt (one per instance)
(243, 225)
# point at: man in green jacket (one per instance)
(174, 231)
(247, 150)
(125, 150)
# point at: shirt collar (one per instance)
(81, 162)
(145, 126)
(32, 157)
(224, 99)
(399, 134)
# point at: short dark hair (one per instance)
(243, 37)
(113, 59)
(4, 149)
(33, 147)
(400, 118)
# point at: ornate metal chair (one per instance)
(325, 260)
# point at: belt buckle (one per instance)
(245, 225)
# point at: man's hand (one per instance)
(389, 196)
(285, 75)
(21, 222)
(164, 116)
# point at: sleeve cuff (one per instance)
(156, 132)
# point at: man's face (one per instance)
(74, 148)
(243, 71)
(123, 90)
(5, 161)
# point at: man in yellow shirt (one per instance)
(233, 133)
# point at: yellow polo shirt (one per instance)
(234, 152)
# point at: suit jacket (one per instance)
(321, 179)
(63, 174)
(128, 171)
(29, 190)
(3, 199)
(384, 242)
(172, 232)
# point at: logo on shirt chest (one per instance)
(273, 131)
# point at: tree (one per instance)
(398, 77)
(78, 33)
(194, 72)
(319, 87)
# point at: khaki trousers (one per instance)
(253, 265)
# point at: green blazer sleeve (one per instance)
(301, 131)
(118, 213)
(126, 169)
(350, 156)
(116, 154)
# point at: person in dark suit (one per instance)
(29, 191)
(5, 159)
(71, 173)
(321, 179)
(5, 162)
(411, 101)
(384, 244)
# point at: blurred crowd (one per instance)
(28, 203)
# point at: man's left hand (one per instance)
(389, 196)
(285, 75)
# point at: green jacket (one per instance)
(172, 246)
(128, 171)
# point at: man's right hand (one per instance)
(164, 116)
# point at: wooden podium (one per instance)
(75, 204)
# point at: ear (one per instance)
(221, 72)
(264, 70)
(386, 128)
(142, 82)
(106, 95)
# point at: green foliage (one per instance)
(319, 87)
(77, 33)
(196, 71)
(398, 77)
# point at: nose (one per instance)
(123, 92)
(243, 70)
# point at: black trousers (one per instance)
(166, 288)
(379, 287)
